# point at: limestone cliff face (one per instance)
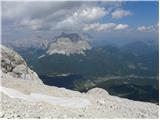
(23, 97)
(13, 64)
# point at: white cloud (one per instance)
(150, 28)
(98, 26)
(117, 14)
(90, 13)
(104, 27)
(121, 26)
(81, 16)
(141, 28)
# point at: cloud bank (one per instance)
(104, 27)
(81, 16)
(150, 28)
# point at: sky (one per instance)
(101, 20)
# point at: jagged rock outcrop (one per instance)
(26, 99)
(14, 65)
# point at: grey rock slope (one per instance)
(27, 99)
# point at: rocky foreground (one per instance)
(23, 95)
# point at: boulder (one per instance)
(98, 92)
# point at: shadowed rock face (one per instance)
(73, 36)
(14, 65)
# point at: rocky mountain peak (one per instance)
(68, 44)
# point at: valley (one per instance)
(131, 87)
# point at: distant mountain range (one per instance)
(72, 53)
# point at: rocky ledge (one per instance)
(28, 97)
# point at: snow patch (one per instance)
(73, 102)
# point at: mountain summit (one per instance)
(74, 37)
(68, 44)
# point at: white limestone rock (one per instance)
(13, 64)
